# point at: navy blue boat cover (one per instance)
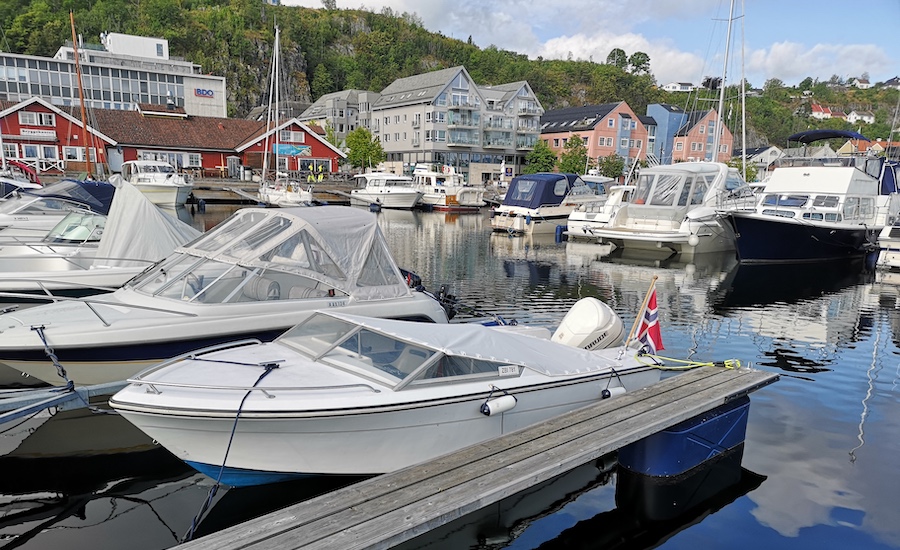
(94, 195)
(536, 190)
(810, 136)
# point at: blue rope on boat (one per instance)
(269, 367)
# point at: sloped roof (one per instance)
(318, 109)
(420, 88)
(204, 133)
(693, 118)
(574, 119)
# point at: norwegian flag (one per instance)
(649, 333)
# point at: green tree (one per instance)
(540, 159)
(612, 166)
(363, 150)
(617, 58)
(639, 63)
(574, 156)
(752, 171)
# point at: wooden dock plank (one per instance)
(386, 510)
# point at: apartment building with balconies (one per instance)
(444, 117)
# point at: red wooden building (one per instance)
(51, 139)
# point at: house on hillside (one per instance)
(819, 112)
(861, 116)
(607, 129)
(344, 111)
(861, 83)
(679, 87)
(892, 83)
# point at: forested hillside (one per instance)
(326, 50)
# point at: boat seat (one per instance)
(299, 292)
(410, 359)
(262, 289)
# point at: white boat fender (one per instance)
(611, 392)
(497, 405)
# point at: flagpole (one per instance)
(641, 311)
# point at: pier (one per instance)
(392, 508)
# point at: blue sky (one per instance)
(685, 39)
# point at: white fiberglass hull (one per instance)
(386, 198)
(168, 195)
(124, 332)
(360, 439)
(520, 221)
(693, 237)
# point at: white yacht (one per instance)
(385, 190)
(538, 203)
(159, 180)
(445, 189)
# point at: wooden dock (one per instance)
(386, 510)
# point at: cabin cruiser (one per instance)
(344, 394)
(255, 275)
(385, 190)
(28, 215)
(537, 203)
(815, 209)
(445, 189)
(159, 180)
(675, 207)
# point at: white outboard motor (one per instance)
(590, 324)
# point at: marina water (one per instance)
(819, 462)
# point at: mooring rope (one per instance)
(269, 367)
(60, 370)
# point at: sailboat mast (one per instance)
(87, 152)
(273, 101)
(718, 135)
(743, 101)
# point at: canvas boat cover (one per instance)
(481, 342)
(96, 196)
(339, 246)
(536, 190)
(137, 229)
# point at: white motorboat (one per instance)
(29, 214)
(90, 250)
(445, 189)
(342, 394)
(676, 207)
(597, 214)
(16, 176)
(537, 203)
(889, 247)
(816, 209)
(159, 180)
(285, 192)
(255, 275)
(385, 190)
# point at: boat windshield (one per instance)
(28, 205)
(342, 343)
(77, 227)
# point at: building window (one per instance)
(609, 142)
(565, 141)
(556, 142)
(397, 136)
(679, 146)
(623, 143)
(584, 140)
(723, 148)
(10, 150)
(194, 160)
(289, 136)
(73, 153)
(30, 118)
(631, 144)
(396, 119)
(387, 137)
(702, 129)
(611, 123)
(638, 144)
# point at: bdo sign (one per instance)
(200, 92)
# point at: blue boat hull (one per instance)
(771, 239)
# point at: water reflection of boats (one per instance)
(755, 284)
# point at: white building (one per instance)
(443, 117)
(679, 87)
(121, 73)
